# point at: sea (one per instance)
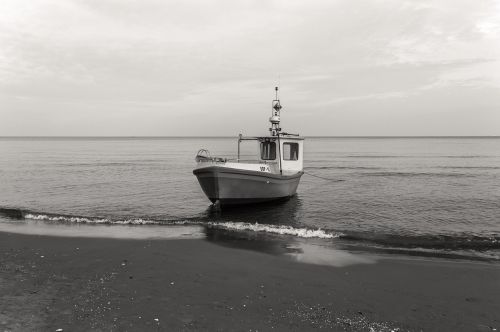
(423, 196)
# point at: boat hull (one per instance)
(232, 186)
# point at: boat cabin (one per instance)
(284, 154)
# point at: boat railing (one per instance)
(253, 161)
(203, 155)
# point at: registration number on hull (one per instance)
(265, 169)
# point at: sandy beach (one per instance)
(77, 284)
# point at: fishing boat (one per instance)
(273, 175)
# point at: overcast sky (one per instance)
(168, 68)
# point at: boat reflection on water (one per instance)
(283, 212)
(299, 250)
(311, 251)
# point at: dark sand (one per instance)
(78, 284)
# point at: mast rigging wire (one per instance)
(320, 177)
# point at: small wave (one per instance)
(341, 167)
(377, 156)
(234, 226)
(469, 156)
(65, 218)
(440, 242)
(11, 213)
(275, 229)
(477, 242)
(469, 167)
(127, 163)
(479, 255)
(87, 220)
(419, 156)
(417, 174)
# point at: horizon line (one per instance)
(231, 136)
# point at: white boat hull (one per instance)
(232, 186)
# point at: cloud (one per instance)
(121, 61)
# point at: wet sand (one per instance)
(78, 284)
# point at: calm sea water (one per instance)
(420, 196)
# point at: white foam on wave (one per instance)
(275, 229)
(83, 220)
(68, 219)
(234, 226)
(67, 226)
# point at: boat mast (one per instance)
(275, 124)
(275, 116)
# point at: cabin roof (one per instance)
(287, 137)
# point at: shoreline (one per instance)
(48, 283)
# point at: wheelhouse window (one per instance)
(268, 150)
(290, 151)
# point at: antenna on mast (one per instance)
(275, 116)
